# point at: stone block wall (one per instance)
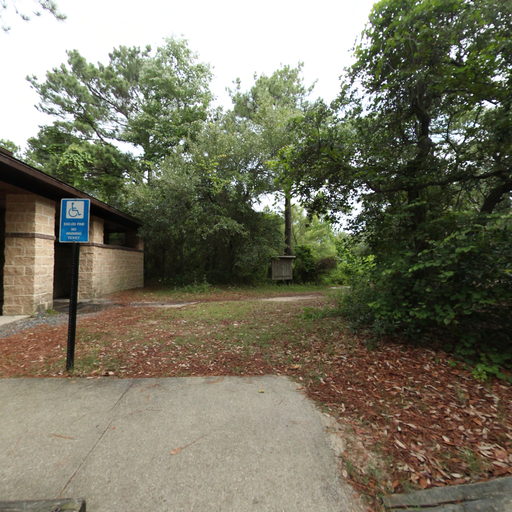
(85, 273)
(88, 263)
(117, 269)
(107, 269)
(28, 276)
(29, 258)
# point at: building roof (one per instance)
(17, 173)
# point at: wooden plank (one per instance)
(282, 268)
(492, 496)
(502, 504)
(63, 505)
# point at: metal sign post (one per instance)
(73, 303)
(74, 228)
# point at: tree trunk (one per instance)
(495, 196)
(420, 105)
(288, 224)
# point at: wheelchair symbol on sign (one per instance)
(74, 212)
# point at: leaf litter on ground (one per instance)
(410, 419)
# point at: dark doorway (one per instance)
(2, 257)
(62, 271)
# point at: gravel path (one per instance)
(55, 318)
(33, 321)
(84, 309)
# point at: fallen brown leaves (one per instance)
(424, 422)
(437, 424)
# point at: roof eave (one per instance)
(20, 174)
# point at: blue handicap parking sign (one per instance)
(74, 220)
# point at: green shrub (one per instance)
(458, 290)
(353, 261)
(304, 267)
(308, 269)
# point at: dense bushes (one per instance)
(310, 269)
(456, 293)
(195, 232)
(418, 147)
(304, 266)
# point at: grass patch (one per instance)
(316, 313)
(212, 313)
(475, 464)
(208, 292)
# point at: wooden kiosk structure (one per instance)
(282, 268)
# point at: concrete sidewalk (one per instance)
(174, 445)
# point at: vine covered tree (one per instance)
(421, 138)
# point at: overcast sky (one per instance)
(236, 38)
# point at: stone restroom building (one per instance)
(35, 268)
